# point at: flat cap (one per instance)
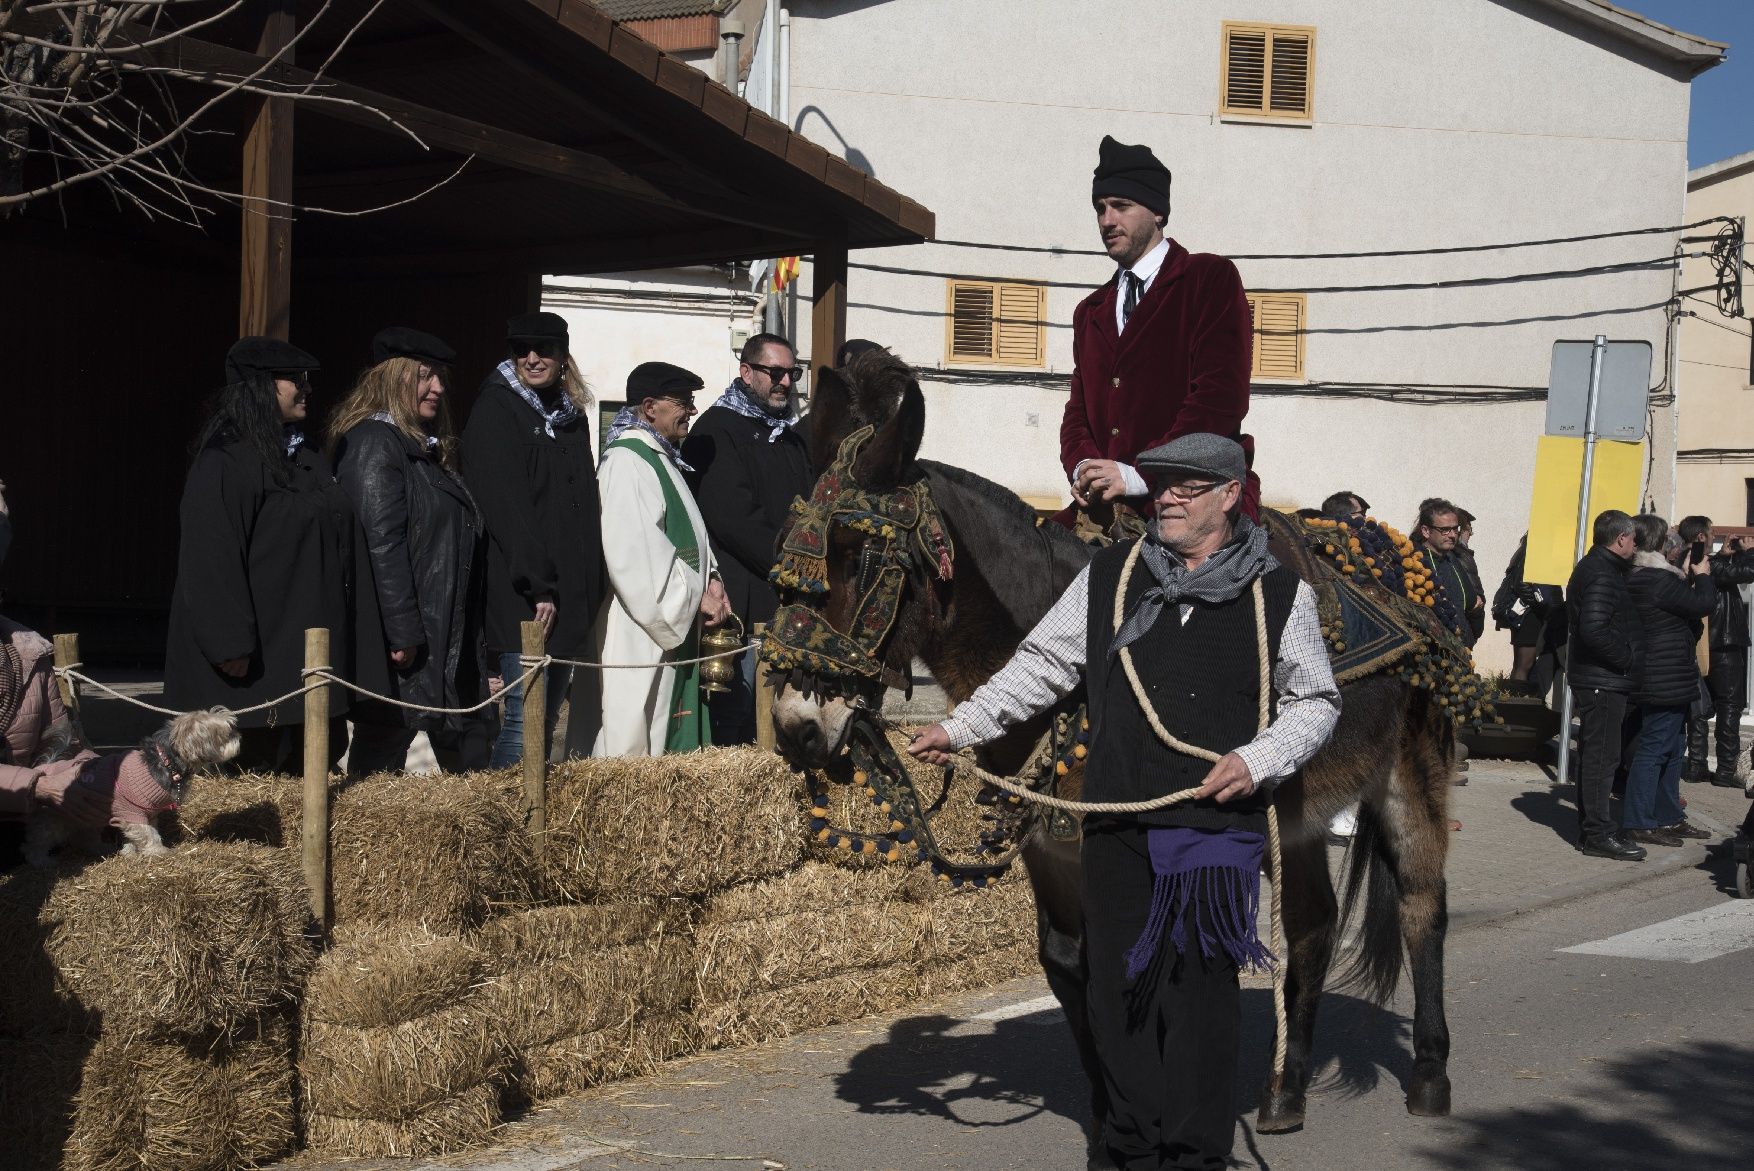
(539, 326)
(661, 380)
(252, 356)
(398, 341)
(1201, 453)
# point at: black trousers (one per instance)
(381, 748)
(1600, 716)
(1167, 1041)
(282, 749)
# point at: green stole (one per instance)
(688, 728)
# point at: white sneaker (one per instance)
(1344, 823)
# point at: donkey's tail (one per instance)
(1375, 968)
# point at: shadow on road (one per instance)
(1551, 808)
(1675, 1106)
(1360, 1048)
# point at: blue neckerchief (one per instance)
(560, 416)
(293, 438)
(384, 417)
(627, 419)
(739, 398)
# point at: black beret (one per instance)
(250, 356)
(659, 380)
(399, 341)
(1131, 172)
(537, 326)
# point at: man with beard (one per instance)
(1163, 349)
(749, 464)
(1167, 893)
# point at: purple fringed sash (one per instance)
(1211, 877)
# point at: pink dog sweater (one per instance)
(135, 796)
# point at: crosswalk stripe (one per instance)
(1687, 939)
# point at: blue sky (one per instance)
(1723, 98)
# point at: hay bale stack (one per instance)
(398, 1054)
(196, 942)
(587, 994)
(978, 937)
(664, 826)
(446, 854)
(212, 1103)
(820, 945)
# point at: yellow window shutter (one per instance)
(997, 323)
(971, 321)
(1279, 321)
(1021, 327)
(1289, 93)
(1267, 70)
(1245, 69)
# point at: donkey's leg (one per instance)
(1311, 918)
(1417, 824)
(1058, 884)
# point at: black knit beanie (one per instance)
(1131, 172)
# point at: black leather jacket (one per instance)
(1672, 609)
(1729, 619)
(423, 535)
(1607, 639)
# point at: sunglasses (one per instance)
(544, 347)
(778, 373)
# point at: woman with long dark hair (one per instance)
(266, 551)
(396, 456)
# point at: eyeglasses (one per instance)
(1451, 530)
(778, 373)
(1188, 492)
(544, 347)
(686, 404)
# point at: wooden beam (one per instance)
(265, 269)
(828, 304)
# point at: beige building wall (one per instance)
(1715, 400)
(1436, 123)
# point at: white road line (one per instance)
(1687, 939)
(1021, 1008)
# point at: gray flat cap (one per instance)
(1201, 453)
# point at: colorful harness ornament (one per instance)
(903, 532)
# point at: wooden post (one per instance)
(265, 267)
(315, 827)
(763, 698)
(535, 733)
(828, 314)
(67, 655)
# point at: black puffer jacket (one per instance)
(1729, 620)
(1672, 609)
(423, 537)
(1607, 639)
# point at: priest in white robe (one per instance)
(663, 586)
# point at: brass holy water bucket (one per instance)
(716, 675)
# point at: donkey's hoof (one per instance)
(1428, 1097)
(1281, 1111)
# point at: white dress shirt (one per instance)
(1147, 268)
(1052, 658)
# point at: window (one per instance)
(1279, 326)
(997, 323)
(1268, 71)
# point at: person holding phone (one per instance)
(1726, 679)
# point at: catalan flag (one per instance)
(785, 271)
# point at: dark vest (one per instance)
(1203, 679)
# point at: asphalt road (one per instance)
(1643, 1058)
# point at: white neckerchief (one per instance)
(1146, 270)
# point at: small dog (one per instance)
(141, 784)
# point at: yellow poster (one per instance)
(1619, 470)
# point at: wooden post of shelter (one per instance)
(763, 698)
(535, 641)
(828, 296)
(314, 830)
(265, 267)
(67, 655)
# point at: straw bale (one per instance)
(467, 1119)
(682, 824)
(568, 971)
(375, 977)
(399, 1072)
(39, 1079)
(211, 1104)
(254, 807)
(763, 1016)
(189, 943)
(968, 923)
(571, 1065)
(814, 886)
(758, 955)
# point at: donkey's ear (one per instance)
(831, 417)
(890, 453)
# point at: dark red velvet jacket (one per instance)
(1182, 366)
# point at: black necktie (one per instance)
(1131, 301)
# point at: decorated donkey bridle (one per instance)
(903, 533)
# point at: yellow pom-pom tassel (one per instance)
(860, 777)
(822, 834)
(1080, 751)
(845, 844)
(1062, 768)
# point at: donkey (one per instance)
(1391, 750)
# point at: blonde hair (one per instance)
(389, 388)
(574, 386)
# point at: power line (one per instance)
(1446, 251)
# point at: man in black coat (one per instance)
(1606, 655)
(1727, 674)
(749, 464)
(529, 460)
